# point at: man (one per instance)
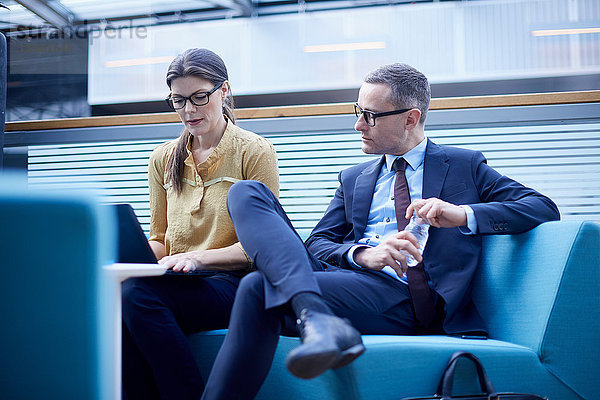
(351, 277)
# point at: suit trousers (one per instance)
(158, 312)
(374, 302)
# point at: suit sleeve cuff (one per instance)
(471, 227)
(350, 256)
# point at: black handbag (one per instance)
(444, 390)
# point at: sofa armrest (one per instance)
(540, 289)
(570, 347)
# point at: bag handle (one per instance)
(445, 387)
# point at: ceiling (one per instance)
(90, 14)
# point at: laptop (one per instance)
(133, 243)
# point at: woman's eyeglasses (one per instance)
(198, 99)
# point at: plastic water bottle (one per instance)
(420, 229)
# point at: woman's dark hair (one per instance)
(204, 64)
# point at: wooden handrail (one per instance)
(447, 103)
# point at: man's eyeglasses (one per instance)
(370, 116)
(197, 99)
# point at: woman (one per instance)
(190, 232)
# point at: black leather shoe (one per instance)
(327, 342)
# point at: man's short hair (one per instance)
(410, 88)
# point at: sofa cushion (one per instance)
(394, 367)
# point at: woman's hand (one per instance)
(228, 258)
(186, 262)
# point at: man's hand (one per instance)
(438, 213)
(389, 252)
(186, 262)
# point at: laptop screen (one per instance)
(133, 243)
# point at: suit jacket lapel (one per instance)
(363, 195)
(435, 169)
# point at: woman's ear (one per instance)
(224, 90)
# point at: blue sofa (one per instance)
(540, 295)
(539, 292)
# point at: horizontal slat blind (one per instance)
(116, 171)
(562, 161)
(309, 163)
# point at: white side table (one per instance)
(117, 273)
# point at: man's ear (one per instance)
(412, 118)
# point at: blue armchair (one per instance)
(2, 94)
(57, 335)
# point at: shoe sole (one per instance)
(349, 355)
(309, 367)
(314, 365)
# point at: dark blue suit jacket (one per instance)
(455, 175)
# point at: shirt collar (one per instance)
(414, 157)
